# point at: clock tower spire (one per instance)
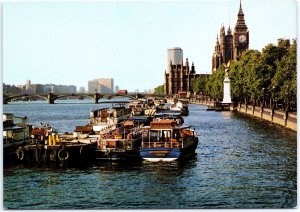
(240, 35)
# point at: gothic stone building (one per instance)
(231, 46)
(178, 77)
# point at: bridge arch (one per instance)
(8, 98)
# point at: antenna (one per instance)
(229, 18)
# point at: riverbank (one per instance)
(287, 120)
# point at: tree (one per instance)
(159, 90)
(214, 85)
(198, 83)
(236, 75)
(252, 65)
(271, 55)
(285, 78)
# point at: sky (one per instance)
(72, 42)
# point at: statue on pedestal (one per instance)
(226, 82)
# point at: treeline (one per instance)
(267, 76)
(12, 89)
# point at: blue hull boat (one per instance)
(164, 141)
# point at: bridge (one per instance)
(51, 97)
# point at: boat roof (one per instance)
(134, 118)
(173, 128)
(138, 118)
(168, 113)
(13, 128)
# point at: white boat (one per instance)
(181, 107)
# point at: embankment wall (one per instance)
(283, 118)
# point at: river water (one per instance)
(241, 162)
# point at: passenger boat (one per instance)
(164, 141)
(16, 133)
(173, 115)
(180, 106)
(122, 143)
(101, 119)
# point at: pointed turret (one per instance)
(222, 30)
(241, 10)
(229, 31)
(187, 66)
(240, 17)
(193, 68)
(187, 62)
(217, 46)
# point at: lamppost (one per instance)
(288, 98)
(288, 105)
(263, 102)
(264, 95)
(272, 102)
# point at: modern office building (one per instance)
(175, 55)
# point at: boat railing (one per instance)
(7, 140)
(115, 144)
(161, 144)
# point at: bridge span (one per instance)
(51, 97)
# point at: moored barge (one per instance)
(16, 133)
(122, 143)
(58, 149)
(167, 142)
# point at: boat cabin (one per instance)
(165, 133)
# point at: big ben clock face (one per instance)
(242, 38)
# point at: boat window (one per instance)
(176, 134)
(154, 135)
(166, 134)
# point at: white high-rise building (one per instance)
(175, 55)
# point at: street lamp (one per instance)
(263, 103)
(272, 101)
(288, 104)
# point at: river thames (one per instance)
(241, 162)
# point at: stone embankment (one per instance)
(280, 117)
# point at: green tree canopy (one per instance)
(159, 90)
(285, 78)
(214, 85)
(198, 83)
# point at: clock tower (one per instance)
(240, 36)
(230, 46)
